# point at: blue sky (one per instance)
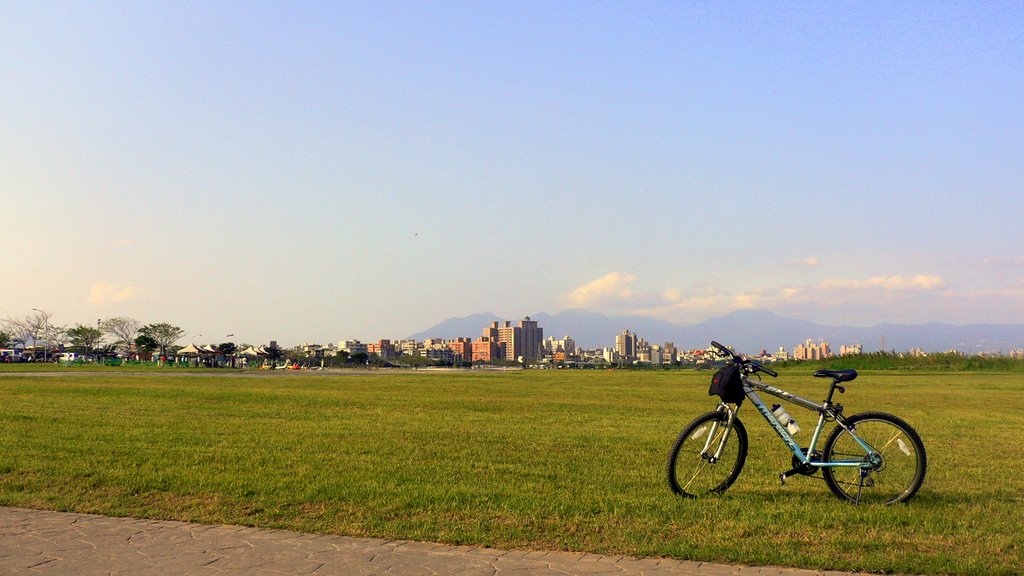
(323, 171)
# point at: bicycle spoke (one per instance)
(700, 468)
(693, 469)
(894, 438)
(897, 461)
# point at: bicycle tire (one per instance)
(896, 479)
(702, 475)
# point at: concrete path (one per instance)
(38, 542)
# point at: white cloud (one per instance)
(611, 287)
(919, 282)
(680, 306)
(1002, 261)
(106, 293)
(792, 293)
(859, 301)
(1010, 298)
(810, 262)
(896, 293)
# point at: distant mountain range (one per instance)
(749, 331)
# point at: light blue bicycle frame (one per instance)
(826, 411)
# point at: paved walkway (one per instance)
(37, 542)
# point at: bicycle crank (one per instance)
(804, 468)
(807, 469)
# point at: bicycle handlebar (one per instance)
(724, 350)
(757, 366)
(766, 370)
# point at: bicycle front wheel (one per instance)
(707, 458)
(896, 474)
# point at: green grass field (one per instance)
(546, 460)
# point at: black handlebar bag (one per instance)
(727, 384)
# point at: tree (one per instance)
(56, 335)
(85, 338)
(228, 349)
(124, 330)
(274, 352)
(166, 335)
(340, 359)
(5, 338)
(146, 345)
(31, 327)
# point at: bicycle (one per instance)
(872, 457)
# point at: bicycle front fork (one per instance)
(731, 414)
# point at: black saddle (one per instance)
(837, 375)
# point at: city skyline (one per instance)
(315, 171)
(524, 342)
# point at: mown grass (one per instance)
(549, 460)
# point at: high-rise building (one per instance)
(524, 342)
(487, 347)
(462, 348)
(485, 350)
(569, 345)
(384, 348)
(566, 345)
(410, 347)
(800, 352)
(491, 332)
(671, 355)
(625, 345)
(810, 350)
(532, 340)
(510, 336)
(851, 349)
(656, 354)
(353, 347)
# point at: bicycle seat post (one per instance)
(832, 390)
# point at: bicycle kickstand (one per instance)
(860, 485)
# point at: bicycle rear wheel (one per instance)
(895, 478)
(694, 471)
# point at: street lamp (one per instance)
(99, 338)
(46, 328)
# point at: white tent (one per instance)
(255, 351)
(190, 350)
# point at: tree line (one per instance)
(36, 331)
(111, 336)
(892, 360)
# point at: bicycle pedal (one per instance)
(782, 478)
